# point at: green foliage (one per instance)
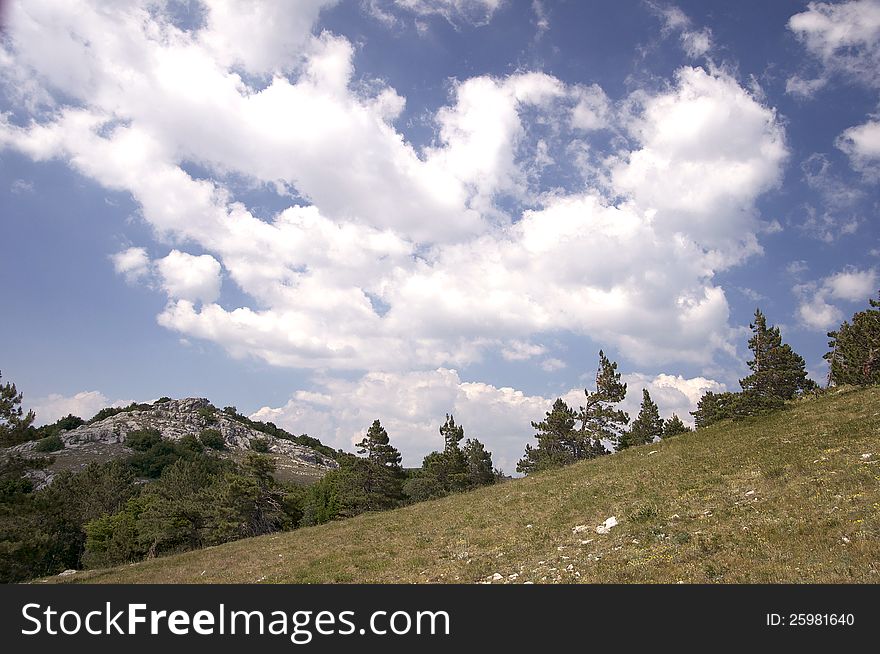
(51, 443)
(162, 400)
(15, 425)
(421, 487)
(599, 418)
(111, 411)
(480, 471)
(260, 445)
(557, 437)
(647, 427)
(855, 349)
(376, 446)
(42, 533)
(213, 439)
(142, 440)
(778, 372)
(208, 414)
(674, 426)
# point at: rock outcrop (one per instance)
(174, 419)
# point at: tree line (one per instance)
(105, 514)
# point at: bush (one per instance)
(191, 443)
(51, 443)
(260, 445)
(162, 400)
(142, 440)
(213, 439)
(207, 412)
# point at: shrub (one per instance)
(162, 400)
(142, 440)
(51, 443)
(213, 439)
(207, 412)
(260, 445)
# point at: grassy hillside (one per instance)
(794, 497)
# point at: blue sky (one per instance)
(329, 212)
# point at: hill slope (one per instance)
(104, 440)
(793, 497)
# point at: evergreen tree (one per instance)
(479, 464)
(15, 425)
(646, 426)
(778, 372)
(713, 407)
(452, 433)
(855, 349)
(599, 418)
(376, 445)
(557, 436)
(674, 426)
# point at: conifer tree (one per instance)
(15, 425)
(557, 436)
(599, 418)
(778, 372)
(674, 426)
(855, 349)
(452, 433)
(376, 445)
(480, 470)
(646, 426)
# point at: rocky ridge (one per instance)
(174, 419)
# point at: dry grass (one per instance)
(789, 498)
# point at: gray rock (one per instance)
(174, 419)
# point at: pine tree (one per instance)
(674, 426)
(15, 425)
(855, 349)
(778, 372)
(557, 436)
(480, 470)
(376, 445)
(599, 419)
(713, 407)
(449, 467)
(646, 426)
(452, 433)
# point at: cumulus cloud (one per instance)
(816, 310)
(393, 257)
(413, 405)
(845, 40)
(133, 263)
(185, 277)
(84, 404)
(862, 145)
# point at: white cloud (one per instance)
(413, 405)
(393, 258)
(844, 38)
(708, 149)
(862, 145)
(478, 12)
(185, 277)
(552, 364)
(696, 42)
(522, 350)
(55, 406)
(817, 314)
(134, 263)
(816, 310)
(852, 285)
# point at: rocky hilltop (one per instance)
(174, 419)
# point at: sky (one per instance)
(325, 212)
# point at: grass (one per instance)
(787, 498)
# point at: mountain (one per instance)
(103, 439)
(789, 497)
